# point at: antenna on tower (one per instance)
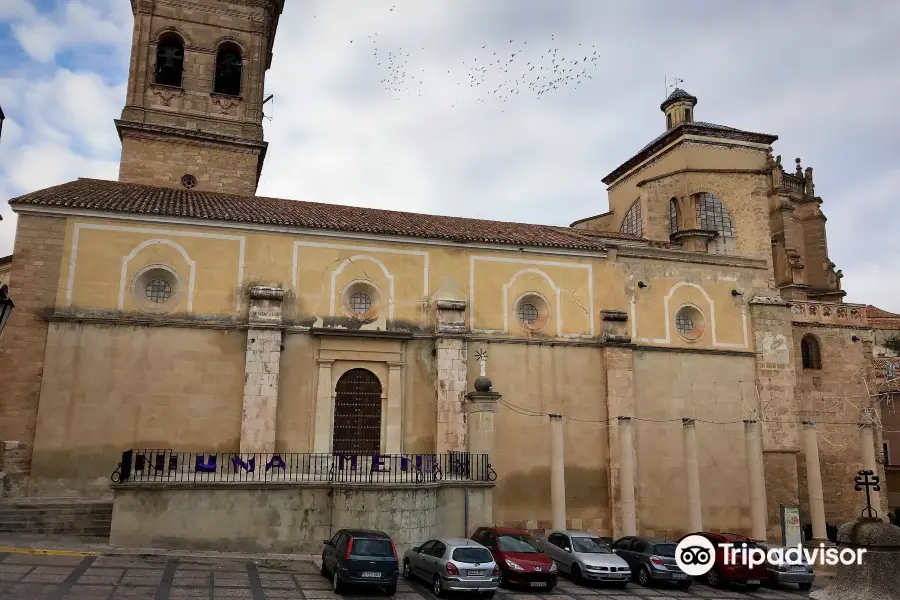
(675, 82)
(272, 98)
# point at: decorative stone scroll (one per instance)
(829, 313)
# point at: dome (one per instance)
(675, 96)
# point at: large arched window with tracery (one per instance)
(712, 215)
(632, 221)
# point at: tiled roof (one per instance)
(5, 260)
(677, 94)
(882, 319)
(688, 128)
(117, 197)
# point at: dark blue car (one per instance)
(363, 558)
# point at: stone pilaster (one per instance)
(620, 403)
(261, 370)
(324, 408)
(557, 473)
(756, 479)
(692, 476)
(775, 404)
(814, 482)
(451, 355)
(394, 413)
(869, 462)
(481, 410)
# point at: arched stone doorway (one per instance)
(357, 413)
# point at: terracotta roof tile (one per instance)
(117, 197)
(5, 260)
(882, 319)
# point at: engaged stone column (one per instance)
(394, 416)
(626, 476)
(756, 479)
(814, 482)
(557, 473)
(480, 410)
(619, 362)
(261, 370)
(867, 453)
(324, 404)
(451, 354)
(692, 476)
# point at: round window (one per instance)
(188, 181)
(532, 311)
(361, 300)
(689, 323)
(155, 289)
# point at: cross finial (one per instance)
(866, 480)
(481, 355)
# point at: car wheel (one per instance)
(407, 571)
(437, 586)
(713, 579)
(336, 584)
(390, 590)
(323, 570)
(683, 585)
(805, 586)
(644, 576)
(577, 575)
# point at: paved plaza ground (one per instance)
(27, 576)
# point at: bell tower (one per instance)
(193, 107)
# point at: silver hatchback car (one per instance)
(584, 556)
(453, 564)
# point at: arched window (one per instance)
(711, 214)
(810, 353)
(170, 60)
(673, 216)
(229, 66)
(632, 222)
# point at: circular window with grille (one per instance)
(155, 288)
(689, 323)
(532, 311)
(361, 300)
(188, 181)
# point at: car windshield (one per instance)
(518, 542)
(472, 555)
(372, 547)
(591, 545)
(667, 550)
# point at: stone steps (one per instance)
(56, 516)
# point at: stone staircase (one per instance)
(57, 516)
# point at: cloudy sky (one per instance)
(824, 75)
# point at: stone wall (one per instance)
(163, 161)
(110, 388)
(34, 278)
(291, 518)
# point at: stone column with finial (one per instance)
(481, 409)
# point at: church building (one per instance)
(682, 361)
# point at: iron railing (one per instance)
(146, 466)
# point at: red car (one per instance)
(721, 573)
(521, 559)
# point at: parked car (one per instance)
(798, 572)
(651, 560)
(521, 559)
(732, 573)
(453, 565)
(361, 557)
(585, 556)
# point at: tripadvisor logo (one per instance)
(696, 555)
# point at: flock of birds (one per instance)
(502, 73)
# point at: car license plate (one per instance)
(538, 584)
(371, 574)
(474, 572)
(798, 568)
(753, 582)
(679, 576)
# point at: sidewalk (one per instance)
(88, 546)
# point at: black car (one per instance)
(361, 557)
(651, 560)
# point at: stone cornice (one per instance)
(148, 128)
(691, 257)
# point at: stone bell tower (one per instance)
(193, 109)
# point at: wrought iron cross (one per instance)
(866, 480)
(481, 355)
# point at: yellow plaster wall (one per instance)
(674, 385)
(109, 388)
(562, 379)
